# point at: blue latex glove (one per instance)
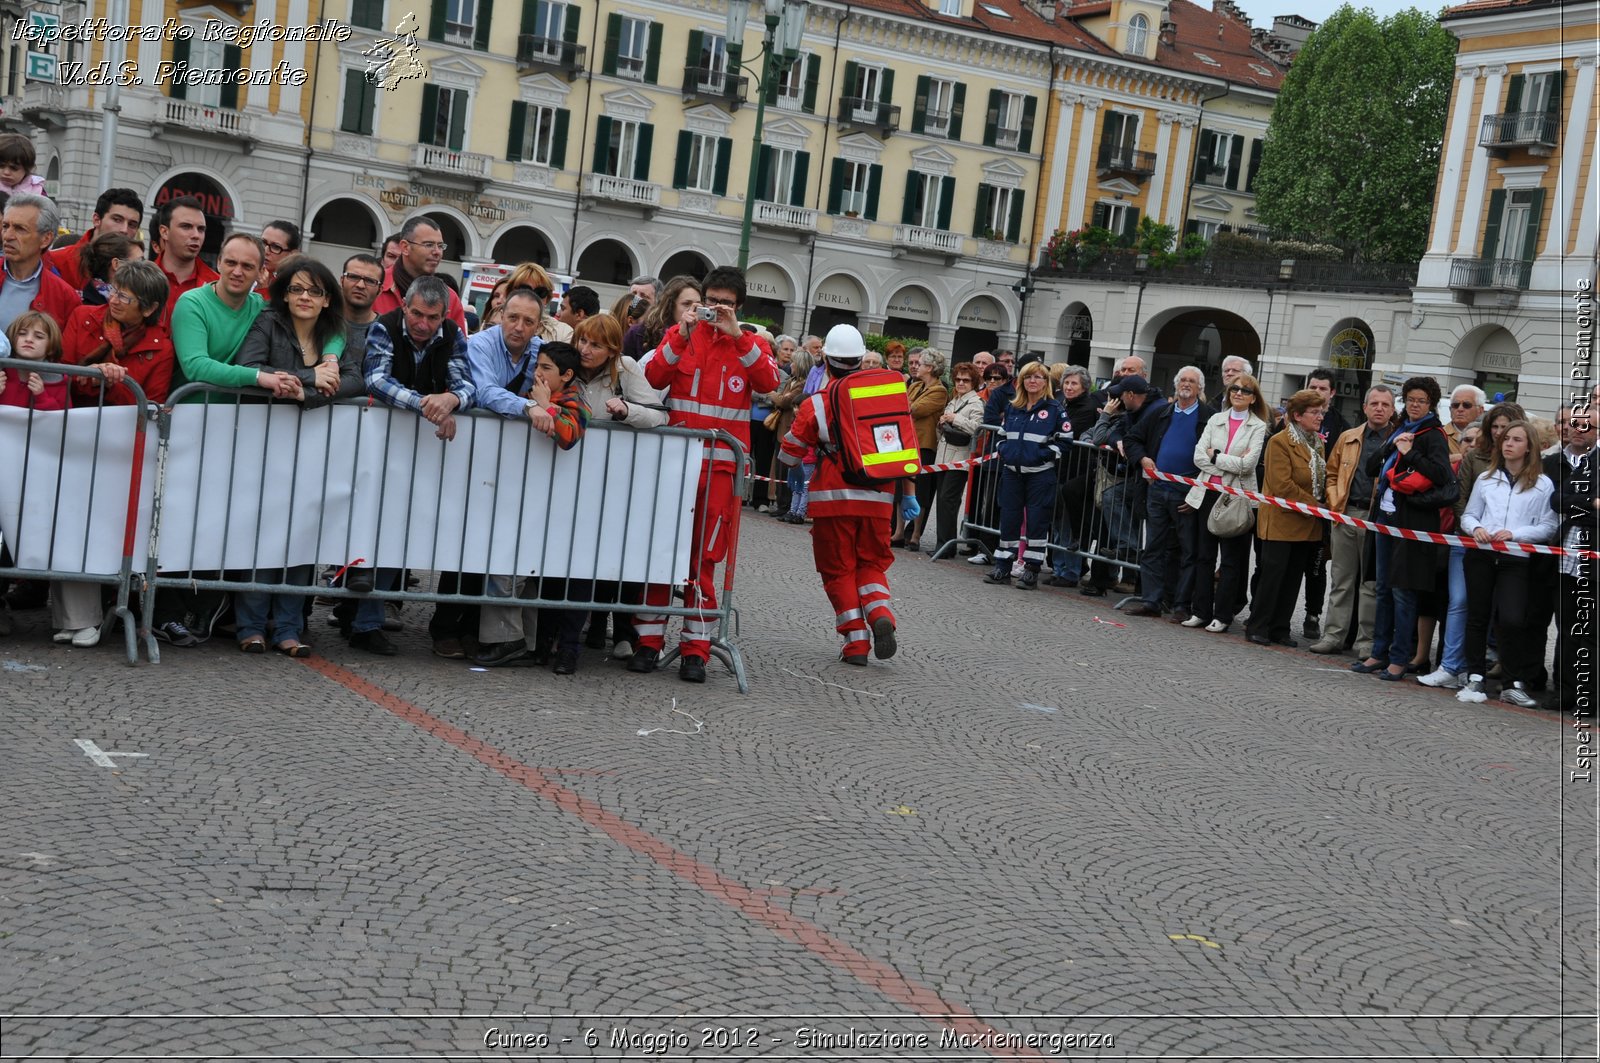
(910, 508)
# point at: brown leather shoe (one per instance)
(1143, 609)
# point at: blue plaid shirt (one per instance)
(386, 389)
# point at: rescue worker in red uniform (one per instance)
(851, 525)
(709, 368)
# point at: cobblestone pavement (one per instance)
(1161, 842)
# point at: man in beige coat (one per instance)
(1350, 491)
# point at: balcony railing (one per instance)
(1114, 158)
(1214, 178)
(936, 123)
(622, 190)
(783, 216)
(1123, 264)
(1518, 129)
(550, 53)
(457, 163)
(916, 238)
(203, 118)
(1007, 138)
(712, 84)
(872, 114)
(1490, 274)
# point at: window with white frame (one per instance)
(950, 7)
(538, 134)
(1138, 35)
(1221, 151)
(853, 191)
(1000, 211)
(713, 62)
(783, 164)
(633, 46)
(458, 19)
(1115, 216)
(1206, 229)
(869, 82)
(205, 55)
(549, 29)
(701, 167)
(622, 146)
(792, 85)
(941, 105)
(449, 120)
(1008, 127)
(930, 195)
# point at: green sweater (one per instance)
(207, 333)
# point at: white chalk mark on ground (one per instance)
(840, 686)
(102, 757)
(1036, 708)
(699, 725)
(18, 666)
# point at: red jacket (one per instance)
(389, 298)
(56, 297)
(830, 495)
(709, 377)
(149, 363)
(16, 393)
(68, 261)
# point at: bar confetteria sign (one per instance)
(401, 198)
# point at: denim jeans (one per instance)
(1455, 623)
(1394, 637)
(276, 617)
(1167, 564)
(369, 611)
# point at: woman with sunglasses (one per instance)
(301, 333)
(1227, 454)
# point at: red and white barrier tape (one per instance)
(1382, 529)
(949, 466)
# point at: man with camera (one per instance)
(709, 368)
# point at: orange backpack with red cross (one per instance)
(874, 439)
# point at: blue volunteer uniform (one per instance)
(1030, 447)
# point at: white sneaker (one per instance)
(63, 636)
(1516, 695)
(86, 637)
(1473, 692)
(622, 649)
(1216, 627)
(979, 558)
(1193, 621)
(1443, 679)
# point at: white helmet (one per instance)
(843, 348)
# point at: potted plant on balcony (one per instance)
(1079, 249)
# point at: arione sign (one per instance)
(213, 200)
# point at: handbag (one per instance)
(1232, 516)
(955, 436)
(770, 421)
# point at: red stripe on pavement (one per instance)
(752, 904)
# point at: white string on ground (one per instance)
(841, 686)
(699, 725)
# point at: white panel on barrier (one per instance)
(64, 479)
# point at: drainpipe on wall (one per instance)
(311, 123)
(583, 145)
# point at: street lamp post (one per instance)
(785, 25)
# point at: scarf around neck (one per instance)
(1319, 464)
(1394, 455)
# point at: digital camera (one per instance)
(706, 313)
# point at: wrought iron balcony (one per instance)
(1114, 158)
(783, 216)
(869, 114)
(1213, 177)
(1490, 274)
(718, 86)
(1518, 129)
(550, 53)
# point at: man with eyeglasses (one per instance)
(422, 248)
(1574, 469)
(281, 239)
(1351, 590)
(360, 281)
(26, 229)
(180, 233)
(1467, 403)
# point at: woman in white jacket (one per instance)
(1227, 453)
(1510, 502)
(961, 417)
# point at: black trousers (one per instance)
(762, 444)
(1218, 596)
(947, 501)
(1281, 567)
(456, 620)
(1507, 589)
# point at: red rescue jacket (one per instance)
(831, 495)
(709, 377)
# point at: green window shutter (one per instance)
(608, 62)
(1255, 164)
(176, 90)
(232, 59)
(652, 55)
(802, 175)
(1491, 230)
(350, 115)
(1530, 233)
(886, 92)
(980, 216)
(851, 76)
(558, 139)
(991, 119)
(1014, 223)
(813, 74)
(680, 168)
(641, 154)
(1130, 228)
(1030, 105)
(836, 186)
(1557, 84)
(764, 175)
(530, 15)
(1202, 155)
(436, 21)
(428, 131)
(519, 129)
(481, 22)
(947, 198)
(1235, 157)
(1191, 228)
(912, 206)
(1514, 93)
(571, 21)
(874, 186)
(719, 180)
(458, 120)
(1106, 129)
(919, 108)
(696, 43)
(1099, 216)
(368, 14)
(957, 107)
(602, 143)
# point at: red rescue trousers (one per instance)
(853, 558)
(713, 528)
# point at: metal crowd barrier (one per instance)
(64, 523)
(1098, 516)
(430, 543)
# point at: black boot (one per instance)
(1029, 579)
(1001, 573)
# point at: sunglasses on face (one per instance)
(1462, 405)
(1237, 390)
